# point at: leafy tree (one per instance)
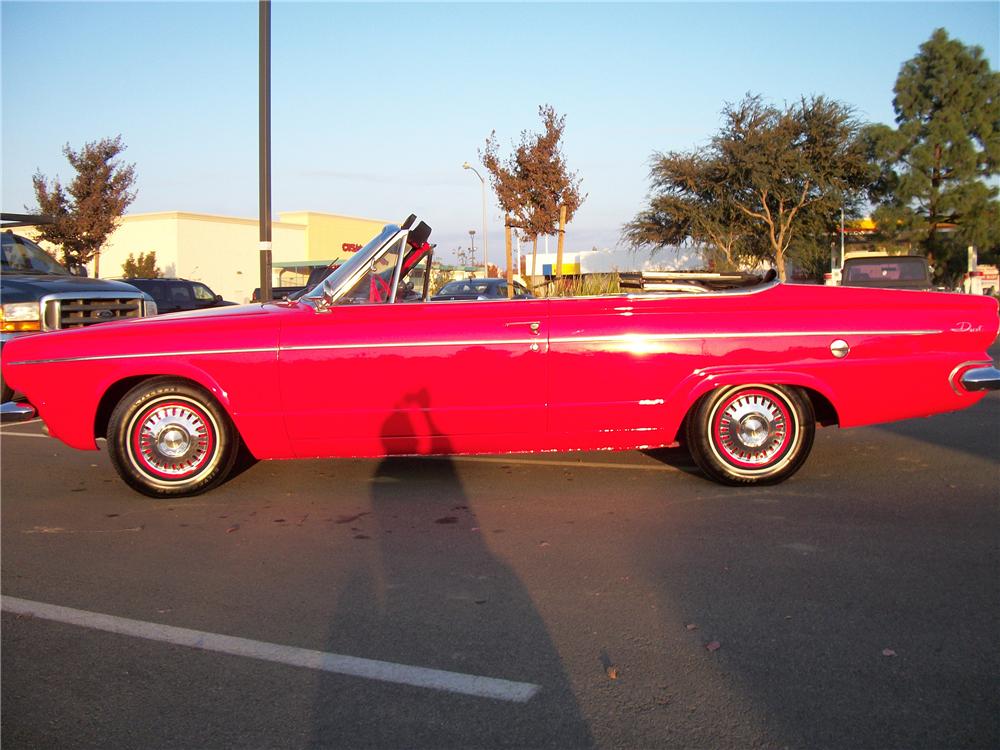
(690, 202)
(534, 181)
(143, 267)
(87, 211)
(937, 163)
(764, 174)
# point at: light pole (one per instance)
(486, 267)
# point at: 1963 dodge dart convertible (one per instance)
(366, 364)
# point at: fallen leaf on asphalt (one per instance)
(543, 544)
(234, 527)
(691, 626)
(612, 672)
(714, 646)
(888, 652)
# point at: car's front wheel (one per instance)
(751, 434)
(170, 438)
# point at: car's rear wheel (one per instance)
(751, 434)
(170, 438)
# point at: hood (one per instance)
(199, 330)
(24, 287)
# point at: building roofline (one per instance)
(335, 216)
(191, 216)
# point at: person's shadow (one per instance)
(432, 594)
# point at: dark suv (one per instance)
(174, 295)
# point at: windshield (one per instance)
(21, 255)
(355, 262)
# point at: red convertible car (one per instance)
(366, 364)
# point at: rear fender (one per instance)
(703, 381)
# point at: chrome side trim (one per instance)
(626, 338)
(981, 379)
(951, 376)
(728, 335)
(406, 344)
(100, 357)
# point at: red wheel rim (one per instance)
(172, 439)
(752, 429)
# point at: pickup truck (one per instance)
(887, 272)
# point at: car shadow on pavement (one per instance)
(951, 430)
(431, 593)
(678, 457)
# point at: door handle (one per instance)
(533, 325)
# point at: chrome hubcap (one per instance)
(173, 440)
(752, 429)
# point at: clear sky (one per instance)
(376, 106)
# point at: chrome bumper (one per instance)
(16, 411)
(981, 379)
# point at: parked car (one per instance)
(742, 376)
(480, 289)
(887, 272)
(176, 295)
(38, 294)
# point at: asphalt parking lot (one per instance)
(569, 600)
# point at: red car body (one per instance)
(619, 372)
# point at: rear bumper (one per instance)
(17, 411)
(981, 379)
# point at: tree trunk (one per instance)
(534, 253)
(562, 235)
(779, 262)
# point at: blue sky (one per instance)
(376, 106)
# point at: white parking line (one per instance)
(30, 421)
(371, 669)
(571, 464)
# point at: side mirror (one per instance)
(218, 298)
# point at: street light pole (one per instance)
(486, 267)
(264, 136)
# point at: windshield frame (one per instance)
(342, 278)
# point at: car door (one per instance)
(614, 363)
(414, 377)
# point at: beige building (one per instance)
(224, 251)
